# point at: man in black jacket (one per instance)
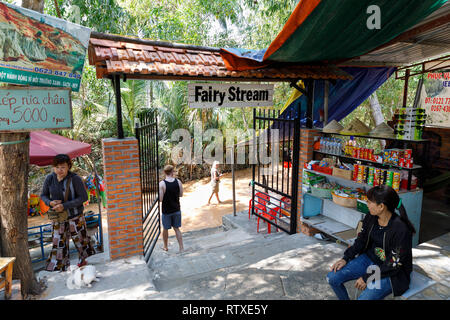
(384, 245)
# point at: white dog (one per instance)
(80, 277)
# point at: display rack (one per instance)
(341, 222)
(416, 167)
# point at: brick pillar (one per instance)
(306, 155)
(123, 192)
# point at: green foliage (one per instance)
(251, 24)
(99, 15)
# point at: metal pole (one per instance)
(234, 188)
(325, 102)
(253, 161)
(295, 175)
(405, 90)
(116, 83)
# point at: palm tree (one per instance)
(134, 99)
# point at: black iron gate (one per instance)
(146, 131)
(275, 183)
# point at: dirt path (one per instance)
(196, 214)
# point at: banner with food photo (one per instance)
(435, 99)
(40, 50)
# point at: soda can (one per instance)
(396, 181)
(409, 163)
(407, 153)
(389, 178)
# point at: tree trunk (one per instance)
(376, 109)
(376, 113)
(14, 165)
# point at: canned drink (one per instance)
(408, 153)
(409, 163)
(389, 178)
(396, 181)
(401, 162)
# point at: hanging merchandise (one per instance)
(409, 123)
(90, 183)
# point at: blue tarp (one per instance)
(344, 96)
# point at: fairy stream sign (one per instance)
(219, 95)
(25, 109)
(40, 50)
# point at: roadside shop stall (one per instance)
(348, 162)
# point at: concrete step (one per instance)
(205, 255)
(296, 271)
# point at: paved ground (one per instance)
(235, 262)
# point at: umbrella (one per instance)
(44, 146)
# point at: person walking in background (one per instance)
(73, 224)
(215, 180)
(385, 242)
(170, 191)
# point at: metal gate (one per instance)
(275, 184)
(146, 131)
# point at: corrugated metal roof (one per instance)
(427, 40)
(142, 59)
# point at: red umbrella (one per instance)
(44, 146)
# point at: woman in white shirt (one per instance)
(215, 180)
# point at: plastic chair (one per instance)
(272, 215)
(261, 203)
(286, 203)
